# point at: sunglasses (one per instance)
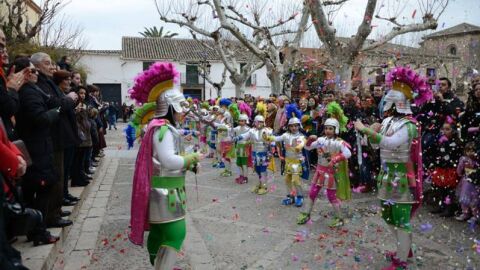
(34, 71)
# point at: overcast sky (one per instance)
(106, 21)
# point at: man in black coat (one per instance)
(62, 132)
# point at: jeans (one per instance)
(112, 121)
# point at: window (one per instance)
(452, 49)
(249, 80)
(192, 74)
(146, 65)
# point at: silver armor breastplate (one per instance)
(400, 154)
(167, 205)
(329, 148)
(257, 137)
(291, 141)
(240, 131)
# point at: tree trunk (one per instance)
(240, 90)
(343, 76)
(275, 77)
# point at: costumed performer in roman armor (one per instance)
(241, 149)
(261, 151)
(332, 167)
(294, 142)
(158, 195)
(398, 137)
(203, 126)
(225, 144)
(212, 135)
(247, 110)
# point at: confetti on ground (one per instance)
(426, 227)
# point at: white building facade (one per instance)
(114, 71)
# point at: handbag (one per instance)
(23, 149)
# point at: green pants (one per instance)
(169, 234)
(397, 215)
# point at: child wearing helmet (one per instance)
(333, 153)
(241, 149)
(260, 152)
(294, 142)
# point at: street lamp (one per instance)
(206, 66)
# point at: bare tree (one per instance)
(344, 52)
(217, 40)
(263, 34)
(63, 33)
(14, 20)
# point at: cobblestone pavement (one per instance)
(231, 228)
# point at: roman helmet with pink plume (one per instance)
(159, 84)
(406, 86)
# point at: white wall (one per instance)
(113, 69)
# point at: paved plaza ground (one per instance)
(229, 227)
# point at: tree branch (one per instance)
(364, 29)
(392, 20)
(236, 32)
(325, 32)
(333, 3)
(430, 24)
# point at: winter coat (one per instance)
(9, 104)
(64, 132)
(35, 119)
(83, 122)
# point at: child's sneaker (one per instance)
(262, 189)
(462, 217)
(226, 173)
(303, 218)
(336, 222)
(289, 200)
(299, 201)
(473, 220)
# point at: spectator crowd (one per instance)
(53, 128)
(52, 132)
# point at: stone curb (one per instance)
(43, 257)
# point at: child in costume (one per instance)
(223, 118)
(398, 137)
(225, 144)
(241, 149)
(468, 191)
(332, 169)
(203, 130)
(158, 195)
(212, 135)
(444, 177)
(294, 142)
(261, 151)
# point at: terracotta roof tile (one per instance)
(462, 28)
(140, 48)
